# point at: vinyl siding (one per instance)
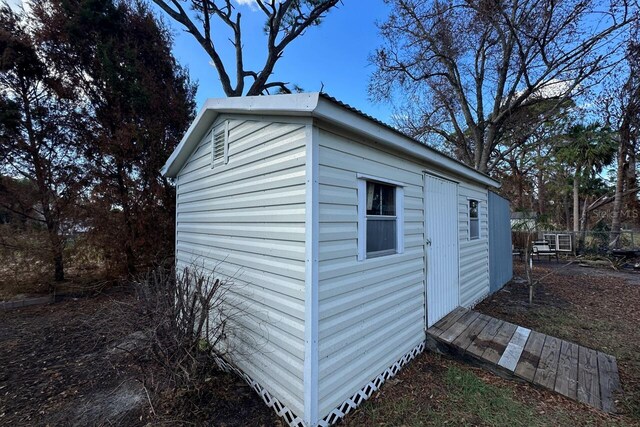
(474, 254)
(246, 220)
(371, 312)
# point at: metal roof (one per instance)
(320, 106)
(394, 129)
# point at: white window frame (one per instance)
(362, 215)
(469, 200)
(556, 241)
(225, 157)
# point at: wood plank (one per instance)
(530, 358)
(609, 381)
(548, 366)
(512, 353)
(588, 383)
(564, 367)
(450, 318)
(483, 339)
(499, 342)
(457, 328)
(470, 334)
(443, 324)
(588, 379)
(567, 375)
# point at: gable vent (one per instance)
(218, 144)
(219, 141)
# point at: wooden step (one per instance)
(578, 372)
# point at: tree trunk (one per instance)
(129, 238)
(567, 211)
(57, 246)
(614, 238)
(51, 220)
(585, 215)
(520, 192)
(631, 180)
(576, 202)
(58, 263)
(541, 191)
(581, 232)
(55, 240)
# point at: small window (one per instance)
(474, 220)
(382, 222)
(380, 211)
(219, 144)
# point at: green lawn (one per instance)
(435, 391)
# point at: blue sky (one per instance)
(334, 54)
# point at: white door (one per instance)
(441, 247)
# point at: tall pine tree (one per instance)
(39, 116)
(141, 102)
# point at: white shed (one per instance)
(346, 238)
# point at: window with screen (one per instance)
(474, 220)
(381, 219)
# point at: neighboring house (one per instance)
(346, 240)
(524, 221)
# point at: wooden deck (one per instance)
(577, 372)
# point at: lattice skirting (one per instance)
(365, 392)
(341, 411)
(292, 419)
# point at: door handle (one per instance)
(428, 242)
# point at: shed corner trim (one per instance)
(312, 245)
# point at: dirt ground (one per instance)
(66, 364)
(63, 365)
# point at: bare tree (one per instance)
(527, 170)
(468, 67)
(621, 104)
(285, 21)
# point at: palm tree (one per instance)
(586, 150)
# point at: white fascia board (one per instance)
(301, 104)
(333, 113)
(195, 132)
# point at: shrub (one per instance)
(183, 318)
